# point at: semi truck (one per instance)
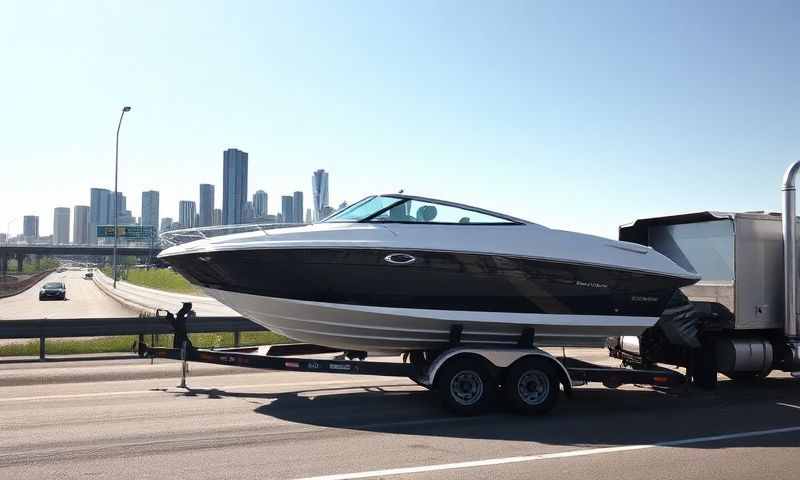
(743, 319)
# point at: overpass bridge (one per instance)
(20, 251)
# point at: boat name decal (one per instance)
(336, 366)
(639, 298)
(581, 283)
(313, 365)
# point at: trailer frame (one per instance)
(499, 362)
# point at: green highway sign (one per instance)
(145, 232)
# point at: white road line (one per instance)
(212, 387)
(788, 405)
(548, 456)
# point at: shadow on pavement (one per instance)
(593, 417)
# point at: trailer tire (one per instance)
(467, 385)
(531, 386)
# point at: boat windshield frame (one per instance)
(502, 218)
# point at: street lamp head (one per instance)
(126, 109)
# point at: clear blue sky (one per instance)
(577, 115)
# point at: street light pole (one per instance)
(116, 213)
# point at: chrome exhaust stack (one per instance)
(790, 321)
(791, 357)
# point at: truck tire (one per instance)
(531, 386)
(466, 385)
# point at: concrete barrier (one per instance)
(147, 300)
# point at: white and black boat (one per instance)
(394, 273)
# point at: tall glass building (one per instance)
(206, 205)
(234, 186)
(80, 225)
(150, 200)
(30, 227)
(260, 203)
(99, 211)
(61, 225)
(287, 212)
(297, 207)
(319, 192)
(186, 213)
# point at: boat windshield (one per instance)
(388, 209)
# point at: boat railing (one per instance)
(186, 235)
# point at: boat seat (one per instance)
(426, 213)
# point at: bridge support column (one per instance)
(20, 261)
(4, 263)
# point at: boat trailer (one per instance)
(468, 377)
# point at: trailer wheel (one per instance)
(466, 385)
(531, 386)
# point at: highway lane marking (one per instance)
(548, 456)
(157, 390)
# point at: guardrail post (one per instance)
(41, 348)
(237, 338)
(184, 365)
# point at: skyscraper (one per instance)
(260, 203)
(30, 227)
(234, 185)
(206, 205)
(120, 209)
(217, 217)
(80, 225)
(98, 211)
(297, 207)
(186, 213)
(166, 224)
(150, 200)
(286, 209)
(319, 192)
(309, 217)
(249, 212)
(60, 225)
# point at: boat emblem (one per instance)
(399, 259)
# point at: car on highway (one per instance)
(88, 275)
(53, 291)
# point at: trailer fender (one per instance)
(499, 358)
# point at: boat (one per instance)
(394, 273)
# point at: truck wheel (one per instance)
(531, 386)
(466, 385)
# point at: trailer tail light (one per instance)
(661, 379)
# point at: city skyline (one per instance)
(100, 212)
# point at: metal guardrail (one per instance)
(108, 327)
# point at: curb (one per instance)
(137, 307)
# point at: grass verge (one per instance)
(126, 343)
(159, 279)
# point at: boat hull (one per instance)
(363, 299)
(393, 330)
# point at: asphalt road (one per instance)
(132, 422)
(84, 300)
